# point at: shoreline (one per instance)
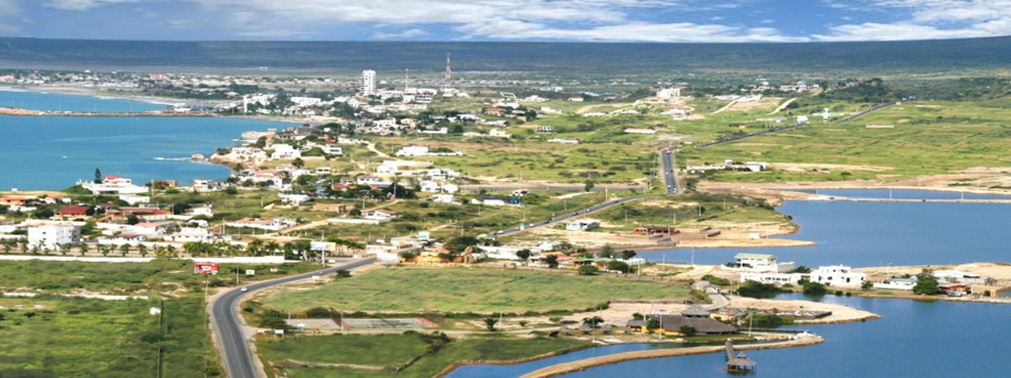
(587, 363)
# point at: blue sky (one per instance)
(512, 20)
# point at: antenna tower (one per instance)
(449, 73)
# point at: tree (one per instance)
(124, 249)
(627, 254)
(653, 323)
(98, 176)
(801, 269)
(814, 288)
(523, 254)
(607, 251)
(83, 248)
(132, 219)
(490, 324)
(588, 270)
(105, 250)
(65, 248)
(552, 261)
(142, 249)
(298, 163)
(926, 283)
(618, 266)
(687, 330)
(866, 285)
(588, 185)
(594, 321)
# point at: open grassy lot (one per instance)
(464, 289)
(56, 336)
(345, 349)
(926, 138)
(692, 210)
(435, 354)
(76, 337)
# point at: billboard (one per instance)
(320, 246)
(423, 235)
(205, 268)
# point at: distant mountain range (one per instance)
(942, 56)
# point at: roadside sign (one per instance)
(250, 272)
(278, 331)
(205, 268)
(273, 270)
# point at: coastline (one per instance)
(580, 365)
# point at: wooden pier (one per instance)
(738, 362)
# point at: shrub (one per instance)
(588, 270)
(814, 288)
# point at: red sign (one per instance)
(273, 270)
(205, 268)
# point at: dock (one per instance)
(738, 362)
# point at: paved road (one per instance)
(224, 314)
(866, 112)
(669, 170)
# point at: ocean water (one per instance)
(55, 152)
(861, 234)
(19, 98)
(912, 339)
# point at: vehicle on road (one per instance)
(245, 288)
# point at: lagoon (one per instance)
(38, 153)
(19, 98)
(862, 234)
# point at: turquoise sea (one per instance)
(55, 152)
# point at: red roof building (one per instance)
(74, 211)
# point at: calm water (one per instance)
(904, 194)
(861, 234)
(925, 339)
(55, 152)
(913, 339)
(12, 97)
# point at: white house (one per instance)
(450, 188)
(756, 262)
(284, 151)
(150, 228)
(380, 215)
(837, 275)
(205, 210)
(412, 151)
(498, 133)
(295, 199)
(51, 237)
(897, 284)
(582, 225)
(444, 198)
(429, 186)
(194, 234)
(114, 185)
(262, 224)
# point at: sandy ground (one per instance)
(767, 102)
(734, 235)
(999, 271)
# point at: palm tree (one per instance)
(104, 249)
(142, 249)
(124, 249)
(160, 251)
(271, 247)
(191, 248)
(8, 245)
(65, 248)
(171, 250)
(254, 247)
(83, 248)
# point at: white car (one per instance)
(245, 288)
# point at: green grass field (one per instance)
(462, 290)
(358, 349)
(927, 138)
(76, 337)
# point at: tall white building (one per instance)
(51, 237)
(368, 87)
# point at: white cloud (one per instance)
(406, 34)
(9, 8)
(82, 5)
(925, 19)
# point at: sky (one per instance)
(692, 21)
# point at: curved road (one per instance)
(235, 356)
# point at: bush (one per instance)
(318, 313)
(588, 270)
(716, 280)
(755, 289)
(814, 288)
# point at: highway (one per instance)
(866, 112)
(235, 354)
(669, 170)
